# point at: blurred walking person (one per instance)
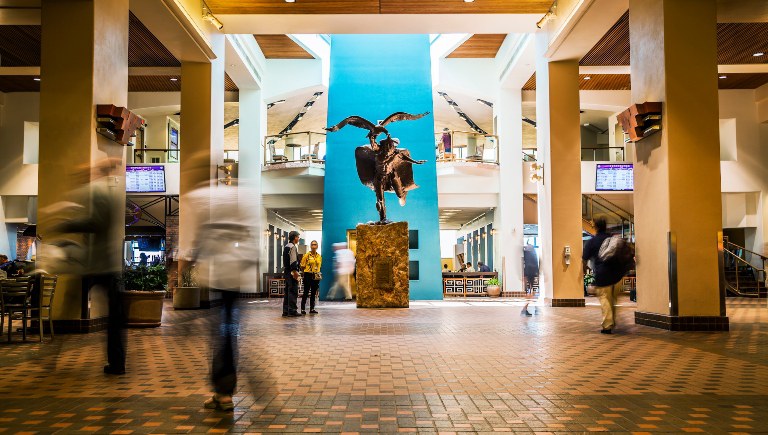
(612, 258)
(224, 248)
(310, 267)
(291, 270)
(343, 267)
(95, 210)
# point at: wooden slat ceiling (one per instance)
(479, 46)
(736, 43)
(144, 49)
(379, 7)
(165, 84)
(281, 47)
(20, 46)
(613, 82)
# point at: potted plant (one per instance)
(493, 287)
(187, 295)
(589, 279)
(143, 296)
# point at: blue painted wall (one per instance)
(373, 76)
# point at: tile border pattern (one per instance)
(578, 302)
(682, 323)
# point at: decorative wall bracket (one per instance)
(641, 120)
(117, 123)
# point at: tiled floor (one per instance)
(447, 367)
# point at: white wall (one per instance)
(288, 76)
(749, 171)
(475, 77)
(17, 178)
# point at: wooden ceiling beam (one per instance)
(132, 71)
(315, 7)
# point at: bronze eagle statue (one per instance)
(383, 166)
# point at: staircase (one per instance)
(744, 271)
(619, 220)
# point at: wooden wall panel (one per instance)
(613, 47)
(743, 81)
(20, 45)
(19, 84)
(479, 46)
(281, 47)
(299, 7)
(379, 6)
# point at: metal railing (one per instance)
(160, 155)
(592, 205)
(529, 155)
(607, 154)
(735, 261)
(466, 146)
(307, 146)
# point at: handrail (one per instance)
(743, 260)
(628, 218)
(529, 157)
(594, 151)
(612, 204)
(763, 257)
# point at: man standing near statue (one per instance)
(291, 270)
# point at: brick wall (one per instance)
(23, 244)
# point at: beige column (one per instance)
(84, 63)
(677, 171)
(559, 193)
(202, 143)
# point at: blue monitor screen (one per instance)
(145, 179)
(615, 177)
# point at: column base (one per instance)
(682, 323)
(75, 326)
(579, 302)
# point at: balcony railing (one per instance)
(307, 146)
(155, 155)
(466, 146)
(607, 154)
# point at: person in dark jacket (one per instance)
(291, 271)
(608, 274)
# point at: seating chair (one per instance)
(16, 295)
(276, 158)
(45, 302)
(478, 156)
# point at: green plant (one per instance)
(493, 281)
(589, 278)
(146, 278)
(189, 277)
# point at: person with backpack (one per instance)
(612, 258)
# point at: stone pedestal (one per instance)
(382, 265)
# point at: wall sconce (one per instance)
(267, 233)
(493, 231)
(537, 172)
(477, 238)
(277, 236)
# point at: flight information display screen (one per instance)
(145, 179)
(614, 177)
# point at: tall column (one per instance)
(677, 171)
(253, 127)
(559, 193)
(83, 65)
(202, 140)
(508, 219)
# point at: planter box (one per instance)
(493, 291)
(186, 298)
(143, 309)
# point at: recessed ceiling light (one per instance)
(37, 79)
(723, 77)
(290, 1)
(758, 54)
(587, 78)
(173, 79)
(468, 1)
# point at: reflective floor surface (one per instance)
(446, 367)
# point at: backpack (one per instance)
(616, 252)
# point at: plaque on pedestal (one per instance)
(382, 265)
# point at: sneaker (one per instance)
(215, 403)
(303, 313)
(312, 312)
(605, 331)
